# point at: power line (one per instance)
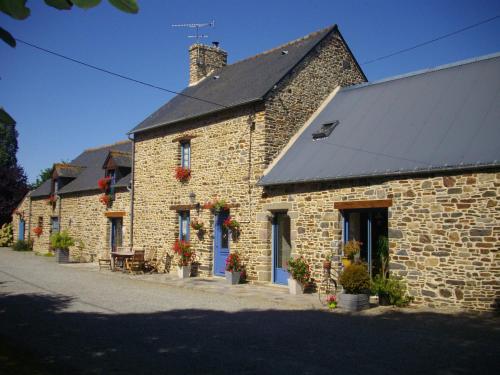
(117, 74)
(432, 40)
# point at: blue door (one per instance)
(20, 235)
(221, 244)
(282, 247)
(116, 233)
(54, 224)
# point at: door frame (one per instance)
(216, 221)
(274, 239)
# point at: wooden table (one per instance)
(119, 256)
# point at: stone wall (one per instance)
(297, 96)
(444, 232)
(22, 212)
(41, 212)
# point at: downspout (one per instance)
(29, 217)
(131, 189)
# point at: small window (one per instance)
(111, 173)
(184, 225)
(40, 221)
(325, 130)
(186, 154)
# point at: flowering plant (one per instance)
(233, 263)
(51, 200)
(104, 183)
(332, 301)
(352, 249)
(38, 231)
(299, 269)
(106, 199)
(183, 250)
(231, 224)
(197, 224)
(182, 174)
(217, 205)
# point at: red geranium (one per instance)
(182, 174)
(105, 199)
(233, 263)
(231, 224)
(183, 250)
(51, 200)
(37, 231)
(103, 183)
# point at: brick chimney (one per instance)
(203, 60)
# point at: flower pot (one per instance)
(184, 271)
(233, 278)
(295, 287)
(384, 300)
(62, 255)
(354, 302)
(346, 262)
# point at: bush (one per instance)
(299, 269)
(22, 245)
(6, 235)
(355, 279)
(392, 289)
(61, 240)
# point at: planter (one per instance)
(354, 302)
(62, 255)
(346, 262)
(384, 300)
(233, 278)
(184, 272)
(295, 287)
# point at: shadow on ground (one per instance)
(247, 342)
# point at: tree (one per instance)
(8, 140)
(18, 10)
(45, 174)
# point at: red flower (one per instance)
(103, 183)
(37, 231)
(105, 199)
(182, 174)
(231, 224)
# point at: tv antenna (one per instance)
(196, 26)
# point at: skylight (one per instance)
(325, 130)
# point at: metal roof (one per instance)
(92, 161)
(447, 118)
(240, 83)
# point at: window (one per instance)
(186, 154)
(111, 173)
(325, 130)
(184, 225)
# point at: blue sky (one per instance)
(62, 108)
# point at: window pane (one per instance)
(284, 243)
(184, 225)
(185, 154)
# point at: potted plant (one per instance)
(104, 184)
(355, 281)
(106, 199)
(182, 174)
(217, 206)
(351, 250)
(332, 302)
(186, 256)
(197, 225)
(391, 290)
(327, 263)
(51, 200)
(299, 275)
(61, 242)
(233, 268)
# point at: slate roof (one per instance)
(447, 118)
(240, 83)
(92, 161)
(68, 170)
(120, 159)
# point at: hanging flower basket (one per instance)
(38, 231)
(182, 174)
(231, 224)
(216, 206)
(106, 199)
(197, 225)
(51, 200)
(104, 184)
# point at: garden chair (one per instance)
(136, 262)
(105, 262)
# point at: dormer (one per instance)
(63, 174)
(117, 165)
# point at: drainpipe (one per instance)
(131, 189)
(29, 217)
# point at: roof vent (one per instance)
(325, 130)
(284, 52)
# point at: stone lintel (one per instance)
(114, 213)
(279, 206)
(374, 203)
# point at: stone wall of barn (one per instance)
(444, 232)
(300, 93)
(83, 216)
(22, 211)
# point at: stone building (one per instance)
(71, 200)
(246, 114)
(414, 159)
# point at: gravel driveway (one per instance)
(68, 319)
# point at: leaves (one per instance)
(15, 8)
(59, 4)
(7, 37)
(86, 4)
(127, 6)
